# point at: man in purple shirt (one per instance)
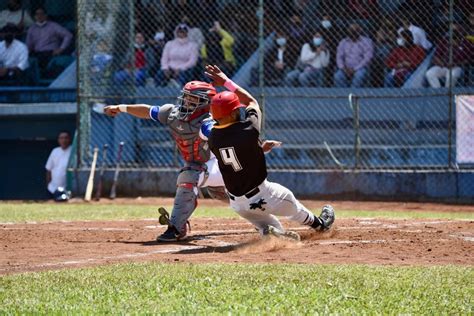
(354, 54)
(46, 38)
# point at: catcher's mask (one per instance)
(195, 99)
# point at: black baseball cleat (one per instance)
(171, 235)
(325, 219)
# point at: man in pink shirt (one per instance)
(46, 38)
(178, 60)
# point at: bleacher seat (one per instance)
(55, 67)
(33, 72)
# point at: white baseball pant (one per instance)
(272, 199)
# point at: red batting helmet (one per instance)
(195, 99)
(224, 103)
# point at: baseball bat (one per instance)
(113, 190)
(98, 192)
(90, 182)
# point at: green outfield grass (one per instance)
(22, 212)
(242, 289)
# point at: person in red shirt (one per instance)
(403, 60)
(142, 61)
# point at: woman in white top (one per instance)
(314, 57)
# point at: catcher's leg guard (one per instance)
(185, 200)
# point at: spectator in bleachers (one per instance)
(403, 60)
(332, 34)
(142, 59)
(157, 44)
(314, 58)
(57, 163)
(179, 58)
(382, 48)
(419, 35)
(194, 34)
(15, 15)
(241, 20)
(354, 55)
(278, 60)
(366, 13)
(46, 39)
(13, 57)
(462, 54)
(218, 49)
(101, 61)
(297, 29)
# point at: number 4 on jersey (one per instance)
(230, 158)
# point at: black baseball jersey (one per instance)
(239, 153)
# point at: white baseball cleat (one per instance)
(273, 231)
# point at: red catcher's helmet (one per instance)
(195, 99)
(224, 103)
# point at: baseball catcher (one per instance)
(186, 121)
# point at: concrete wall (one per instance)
(457, 187)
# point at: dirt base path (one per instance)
(46, 246)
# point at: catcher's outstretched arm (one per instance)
(137, 110)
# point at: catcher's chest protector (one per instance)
(186, 135)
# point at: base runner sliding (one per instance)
(237, 146)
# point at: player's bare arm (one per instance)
(219, 78)
(138, 110)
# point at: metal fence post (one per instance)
(261, 54)
(450, 85)
(357, 141)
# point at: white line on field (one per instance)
(174, 249)
(73, 228)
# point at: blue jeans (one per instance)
(183, 77)
(390, 80)
(124, 77)
(310, 77)
(358, 79)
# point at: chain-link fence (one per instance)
(345, 84)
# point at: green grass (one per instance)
(22, 212)
(242, 289)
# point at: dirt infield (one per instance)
(54, 245)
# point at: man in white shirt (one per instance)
(13, 56)
(15, 15)
(419, 35)
(57, 163)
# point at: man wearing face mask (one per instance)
(13, 56)
(314, 58)
(179, 58)
(142, 59)
(278, 60)
(14, 15)
(354, 55)
(332, 35)
(46, 39)
(403, 60)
